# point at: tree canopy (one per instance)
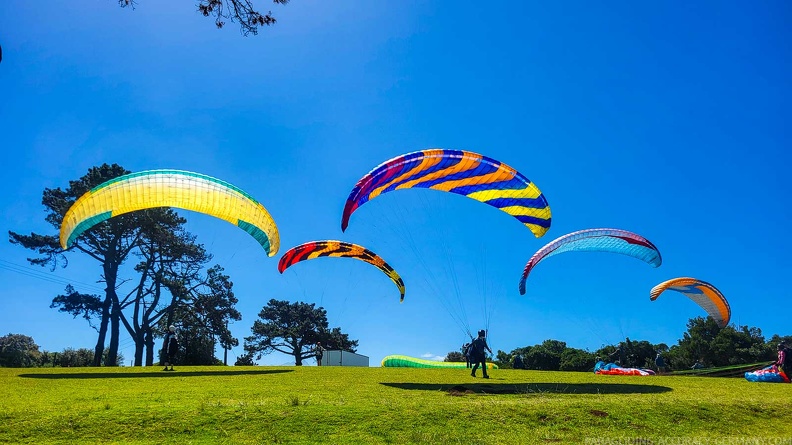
(712, 346)
(18, 351)
(203, 320)
(170, 274)
(294, 329)
(703, 341)
(109, 243)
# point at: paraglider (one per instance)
(403, 361)
(462, 172)
(333, 248)
(704, 294)
(776, 372)
(596, 240)
(602, 368)
(170, 188)
(769, 374)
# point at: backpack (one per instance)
(173, 344)
(477, 347)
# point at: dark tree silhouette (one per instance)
(110, 243)
(240, 11)
(202, 320)
(294, 329)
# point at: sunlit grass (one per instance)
(377, 405)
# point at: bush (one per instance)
(18, 351)
(76, 358)
(576, 360)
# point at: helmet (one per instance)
(482, 333)
(172, 328)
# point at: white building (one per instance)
(343, 358)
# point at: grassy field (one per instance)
(383, 405)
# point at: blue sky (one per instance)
(667, 119)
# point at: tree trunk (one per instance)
(139, 344)
(99, 349)
(111, 275)
(115, 325)
(149, 347)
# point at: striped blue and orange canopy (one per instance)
(462, 172)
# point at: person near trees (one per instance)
(170, 347)
(477, 353)
(319, 352)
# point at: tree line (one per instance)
(282, 326)
(21, 351)
(703, 342)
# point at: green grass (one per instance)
(264, 405)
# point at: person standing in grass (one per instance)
(466, 353)
(660, 363)
(477, 349)
(319, 351)
(170, 347)
(783, 351)
(518, 362)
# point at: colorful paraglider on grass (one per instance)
(596, 240)
(769, 374)
(462, 172)
(403, 361)
(602, 368)
(170, 188)
(704, 294)
(334, 248)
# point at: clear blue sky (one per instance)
(667, 119)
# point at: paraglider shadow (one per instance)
(533, 388)
(147, 374)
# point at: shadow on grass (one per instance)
(533, 388)
(147, 374)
